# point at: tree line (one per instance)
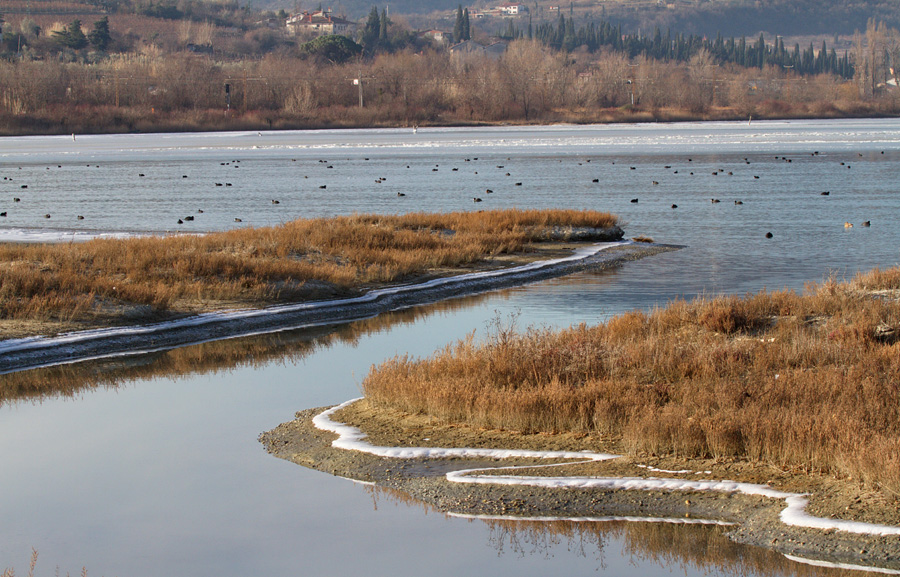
(530, 83)
(563, 35)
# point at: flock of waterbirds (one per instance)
(684, 170)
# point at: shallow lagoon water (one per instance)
(161, 472)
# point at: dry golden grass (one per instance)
(806, 382)
(299, 260)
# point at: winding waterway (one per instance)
(150, 465)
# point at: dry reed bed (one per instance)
(805, 382)
(299, 260)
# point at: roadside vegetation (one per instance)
(300, 260)
(807, 383)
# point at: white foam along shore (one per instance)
(321, 308)
(34, 235)
(794, 514)
(602, 519)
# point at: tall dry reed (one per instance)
(810, 382)
(299, 260)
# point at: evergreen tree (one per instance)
(467, 30)
(99, 36)
(71, 36)
(371, 31)
(458, 28)
(569, 35)
(333, 48)
(383, 29)
(511, 31)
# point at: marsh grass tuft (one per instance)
(804, 382)
(300, 260)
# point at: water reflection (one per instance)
(288, 346)
(689, 548)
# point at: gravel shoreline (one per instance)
(22, 354)
(755, 519)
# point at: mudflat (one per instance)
(756, 520)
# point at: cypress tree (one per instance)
(467, 30)
(458, 27)
(371, 31)
(569, 36)
(383, 28)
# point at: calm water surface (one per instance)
(153, 466)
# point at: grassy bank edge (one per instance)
(807, 383)
(140, 280)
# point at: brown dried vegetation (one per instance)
(300, 260)
(805, 382)
(156, 90)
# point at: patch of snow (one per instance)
(352, 439)
(13, 345)
(655, 470)
(850, 566)
(605, 519)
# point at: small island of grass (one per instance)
(783, 394)
(150, 278)
(174, 290)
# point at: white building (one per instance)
(512, 8)
(319, 23)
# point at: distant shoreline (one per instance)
(177, 123)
